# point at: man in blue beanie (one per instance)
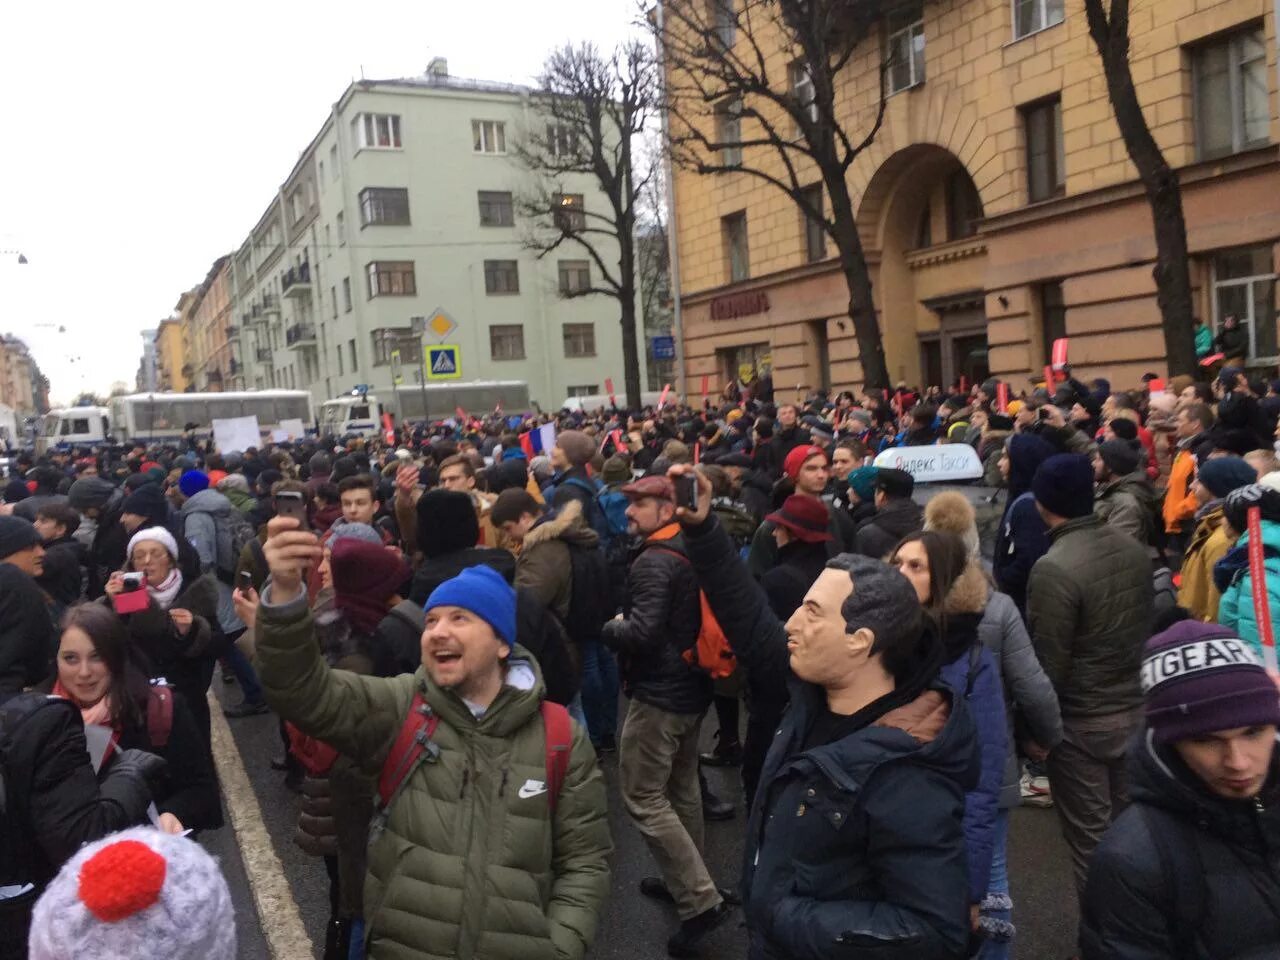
(528, 873)
(1089, 610)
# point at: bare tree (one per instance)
(653, 253)
(736, 107)
(590, 110)
(1110, 32)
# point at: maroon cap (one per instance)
(805, 518)
(651, 486)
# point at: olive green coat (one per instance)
(466, 866)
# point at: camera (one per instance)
(133, 581)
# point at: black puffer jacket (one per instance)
(663, 620)
(881, 533)
(855, 848)
(1090, 608)
(1225, 902)
(27, 638)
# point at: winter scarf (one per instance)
(99, 713)
(166, 592)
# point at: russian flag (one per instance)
(538, 441)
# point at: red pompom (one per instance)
(121, 880)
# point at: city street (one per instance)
(632, 927)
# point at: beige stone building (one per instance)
(998, 206)
(170, 358)
(22, 386)
(212, 336)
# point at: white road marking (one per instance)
(277, 910)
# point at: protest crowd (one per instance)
(457, 624)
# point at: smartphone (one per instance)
(687, 492)
(292, 503)
(1044, 413)
(245, 581)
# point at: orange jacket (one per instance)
(1179, 502)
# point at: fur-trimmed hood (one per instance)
(970, 592)
(566, 523)
(951, 512)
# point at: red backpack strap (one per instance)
(559, 734)
(159, 715)
(411, 743)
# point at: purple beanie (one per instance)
(1201, 677)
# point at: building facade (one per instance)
(22, 385)
(172, 366)
(213, 337)
(403, 213)
(997, 204)
(148, 379)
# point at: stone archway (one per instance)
(919, 217)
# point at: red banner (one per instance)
(1002, 397)
(706, 382)
(1059, 353)
(608, 386)
(1156, 386)
(1048, 379)
(1213, 358)
(389, 428)
(462, 414)
(662, 400)
(1261, 605)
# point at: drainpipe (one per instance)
(673, 246)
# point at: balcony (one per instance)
(255, 313)
(233, 333)
(300, 335)
(296, 281)
(213, 377)
(272, 305)
(246, 319)
(263, 354)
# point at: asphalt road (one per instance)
(631, 927)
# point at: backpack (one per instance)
(590, 594)
(711, 652)
(613, 507)
(737, 522)
(234, 534)
(414, 744)
(159, 714)
(593, 509)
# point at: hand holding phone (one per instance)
(687, 491)
(292, 503)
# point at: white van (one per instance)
(70, 426)
(648, 398)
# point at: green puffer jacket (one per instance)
(469, 864)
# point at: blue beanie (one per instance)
(1221, 475)
(1063, 485)
(481, 590)
(192, 482)
(863, 482)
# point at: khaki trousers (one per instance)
(658, 763)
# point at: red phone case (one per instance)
(132, 601)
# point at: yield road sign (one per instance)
(444, 362)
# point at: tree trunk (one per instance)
(630, 352)
(862, 307)
(1172, 271)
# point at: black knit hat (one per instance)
(1063, 485)
(446, 522)
(147, 501)
(1120, 457)
(16, 535)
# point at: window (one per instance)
(1053, 316)
(562, 140)
(579, 339)
(391, 278)
(346, 294)
(729, 131)
(322, 171)
(333, 297)
(1244, 283)
(387, 340)
(489, 136)
(351, 348)
(501, 276)
(496, 209)
(376, 131)
(906, 49)
(815, 237)
(333, 161)
(506, 341)
(723, 23)
(388, 206)
(964, 206)
(328, 241)
(1231, 94)
(802, 89)
(575, 276)
(584, 390)
(342, 229)
(1030, 16)
(567, 213)
(924, 237)
(296, 207)
(733, 231)
(1046, 174)
(341, 372)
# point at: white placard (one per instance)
(294, 429)
(279, 436)
(943, 461)
(237, 434)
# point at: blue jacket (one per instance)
(1021, 540)
(854, 847)
(1232, 576)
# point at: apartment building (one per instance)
(22, 386)
(406, 205)
(997, 204)
(171, 360)
(212, 336)
(148, 378)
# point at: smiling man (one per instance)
(477, 853)
(1190, 870)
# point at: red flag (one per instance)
(389, 428)
(462, 414)
(1156, 386)
(526, 444)
(608, 386)
(1048, 378)
(1059, 359)
(662, 400)
(697, 452)
(706, 382)
(1213, 358)
(1002, 397)
(617, 440)
(1261, 605)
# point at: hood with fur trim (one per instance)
(970, 592)
(567, 524)
(951, 512)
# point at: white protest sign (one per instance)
(279, 436)
(293, 428)
(236, 434)
(947, 461)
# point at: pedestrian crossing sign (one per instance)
(444, 362)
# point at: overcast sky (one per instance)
(144, 140)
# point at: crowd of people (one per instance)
(456, 626)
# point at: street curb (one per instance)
(278, 913)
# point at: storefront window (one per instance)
(1244, 284)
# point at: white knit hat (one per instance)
(157, 535)
(136, 895)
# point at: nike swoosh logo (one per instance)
(531, 788)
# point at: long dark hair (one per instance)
(948, 558)
(110, 638)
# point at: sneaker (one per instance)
(724, 755)
(715, 809)
(245, 709)
(684, 943)
(1035, 791)
(655, 888)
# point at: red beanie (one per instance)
(797, 458)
